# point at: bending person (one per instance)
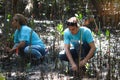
(72, 37)
(26, 40)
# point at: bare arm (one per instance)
(69, 56)
(90, 54)
(20, 45)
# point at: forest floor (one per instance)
(53, 69)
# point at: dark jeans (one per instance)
(75, 53)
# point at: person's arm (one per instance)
(20, 45)
(90, 54)
(96, 29)
(69, 56)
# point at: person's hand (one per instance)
(12, 50)
(82, 62)
(74, 67)
(7, 49)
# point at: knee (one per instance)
(26, 50)
(60, 54)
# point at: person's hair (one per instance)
(20, 18)
(86, 18)
(73, 21)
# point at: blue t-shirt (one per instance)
(69, 38)
(24, 34)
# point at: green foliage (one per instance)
(107, 33)
(2, 77)
(99, 32)
(87, 11)
(67, 8)
(28, 66)
(9, 16)
(60, 29)
(79, 16)
(31, 23)
(87, 66)
(8, 31)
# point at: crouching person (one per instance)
(27, 42)
(72, 37)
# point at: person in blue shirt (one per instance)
(73, 36)
(26, 40)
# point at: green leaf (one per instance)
(60, 28)
(31, 23)
(79, 16)
(87, 65)
(107, 33)
(62, 32)
(28, 65)
(99, 32)
(9, 16)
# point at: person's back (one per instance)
(29, 35)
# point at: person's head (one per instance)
(18, 20)
(86, 21)
(72, 25)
